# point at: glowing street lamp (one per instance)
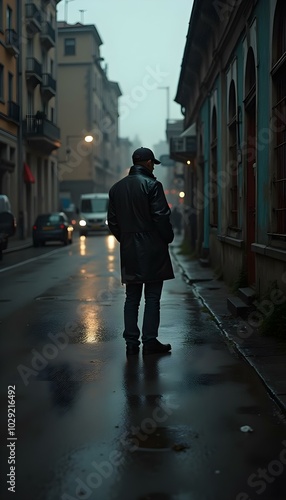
(88, 138)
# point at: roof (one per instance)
(65, 28)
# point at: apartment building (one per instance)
(232, 90)
(88, 106)
(29, 136)
(9, 107)
(40, 133)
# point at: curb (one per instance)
(16, 249)
(234, 344)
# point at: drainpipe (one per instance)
(21, 223)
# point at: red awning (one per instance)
(28, 176)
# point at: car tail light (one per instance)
(62, 226)
(35, 227)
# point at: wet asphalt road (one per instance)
(92, 425)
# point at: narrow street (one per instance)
(91, 424)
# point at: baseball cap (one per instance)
(144, 154)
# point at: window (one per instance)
(279, 116)
(9, 18)
(232, 155)
(213, 173)
(1, 82)
(69, 46)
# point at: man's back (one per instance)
(140, 204)
(139, 217)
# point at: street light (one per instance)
(168, 101)
(74, 157)
(87, 138)
(82, 11)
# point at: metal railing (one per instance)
(11, 38)
(48, 31)
(33, 66)
(39, 126)
(49, 82)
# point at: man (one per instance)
(139, 218)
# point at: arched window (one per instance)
(279, 116)
(213, 172)
(232, 155)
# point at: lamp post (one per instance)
(87, 138)
(73, 161)
(75, 157)
(168, 101)
(82, 11)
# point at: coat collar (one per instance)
(140, 169)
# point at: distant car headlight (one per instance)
(82, 222)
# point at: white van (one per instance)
(93, 213)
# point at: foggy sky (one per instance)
(143, 45)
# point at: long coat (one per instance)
(139, 218)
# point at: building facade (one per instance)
(40, 134)
(88, 105)
(9, 101)
(29, 135)
(232, 90)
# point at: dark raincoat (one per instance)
(139, 218)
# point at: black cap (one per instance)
(144, 154)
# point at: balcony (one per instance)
(33, 72)
(41, 134)
(13, 111)
(12, 42)
(48, 87)
(184, 146)
(33, 19)
(48, 35)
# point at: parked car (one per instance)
(72, 216)
(7, 222)
(52, 227)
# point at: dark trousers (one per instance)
(151, 318)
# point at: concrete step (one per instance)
(238, 308)
(247, 295)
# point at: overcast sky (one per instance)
(143, 46)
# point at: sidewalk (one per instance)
(266, 355)
(15, 244)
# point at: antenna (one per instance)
(66, 9)
(82, 11)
